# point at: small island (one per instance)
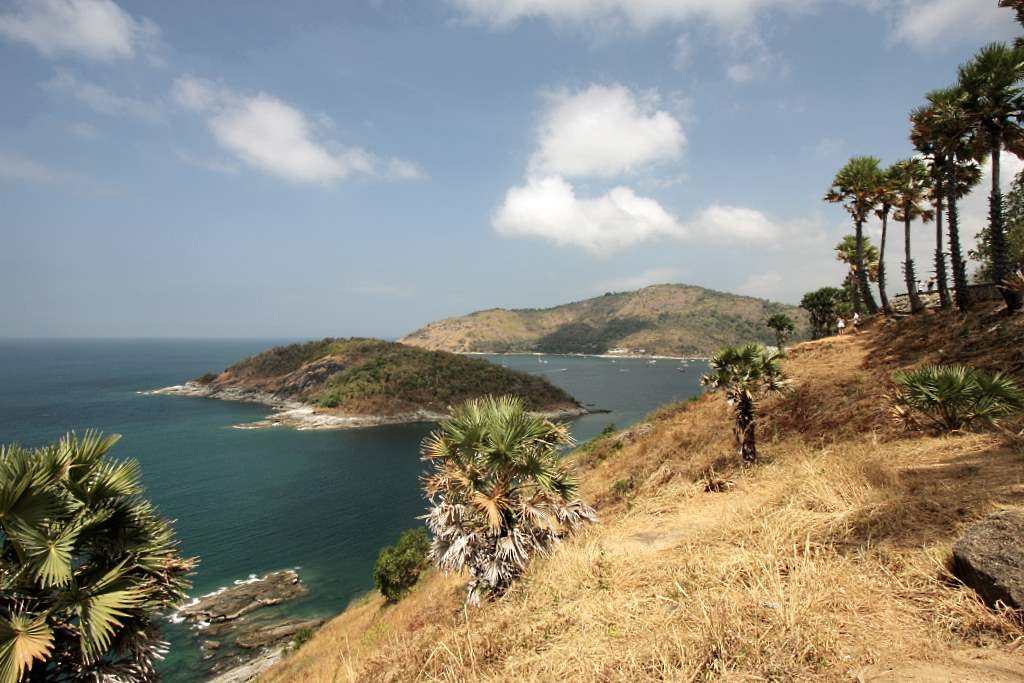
(348, 383)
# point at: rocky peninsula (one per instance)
(351, 383)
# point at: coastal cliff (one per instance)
(347, 383)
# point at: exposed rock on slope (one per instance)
(676, 320)
(989, 557)
(336, 383)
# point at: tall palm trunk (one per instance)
(862, 273)
(908, 265)
(963, 301)
(940, 254)
(997, 235)
(886, 306)
(745, 429)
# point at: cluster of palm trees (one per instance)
(956, 130)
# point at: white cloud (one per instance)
(102, 99)
(271, 135)
(934, 23)
(96, 29)
(683, 52)
(604, 131)
(736, 225)
(638, 14)
(651, 276)
(740, 73)
(549, 208)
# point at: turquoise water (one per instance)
(252, 501)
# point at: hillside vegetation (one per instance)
(662, 319)
(827, 561)
(370, 376)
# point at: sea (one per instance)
(247, 502)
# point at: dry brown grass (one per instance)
(827, 561)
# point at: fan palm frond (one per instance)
(24, 640)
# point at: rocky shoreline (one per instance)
(237, 637)
(302, 416)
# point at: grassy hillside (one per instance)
(828, 561)
(661, 319)
(370, 376)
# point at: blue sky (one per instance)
(338, 168)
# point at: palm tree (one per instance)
(955, 141)
(922, 136)
(855, 187)
(746, 374)
(86, 566)
(846, 251)
(885, 197)
(951, 397)
(500, 492)
(994, 103)
(912, 190)
(783, 326)
(1018, 7)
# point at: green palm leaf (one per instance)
(23, 640)
(48, 551)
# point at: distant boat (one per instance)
(652, 362)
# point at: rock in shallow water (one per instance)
(989, 558)
(231, 603)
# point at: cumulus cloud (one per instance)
(102, 99)
(927, 24)
(271, 135)
(604, 131)
(736, 225)
(95, 29)
(549, 208)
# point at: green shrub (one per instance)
(609, 429)
(950, 397)
(301, 638)
(399, 566)
(206, 378)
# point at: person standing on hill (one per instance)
(841, 326)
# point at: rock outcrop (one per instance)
(244, 597)
(989, 558)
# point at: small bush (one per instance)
(609, 429)
(206, 378)
(399, 566)
(951, 397)
(301, 638)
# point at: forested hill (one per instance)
(661, 320)
(374, 377)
